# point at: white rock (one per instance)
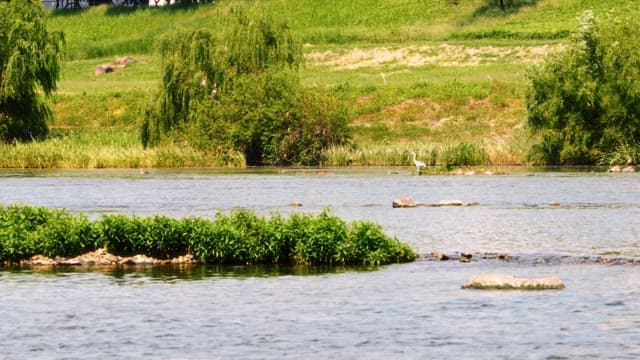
(507, 282)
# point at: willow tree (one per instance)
(30, 62)
(202, 65)
(237, 90)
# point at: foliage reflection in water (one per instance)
(189, 272)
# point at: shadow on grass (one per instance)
(492, 7)
(180, 6)
(65, 12)
(117, 10)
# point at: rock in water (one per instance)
(404, 202)
(450, 203)
(465, 257)
(508, 282)
(439, 256)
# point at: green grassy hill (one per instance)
(419, 75)
(109, 31)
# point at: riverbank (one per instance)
(431, 77)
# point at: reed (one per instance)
(118, 148)
(240, 237)
(624, 154)
(435, 155)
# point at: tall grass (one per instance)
(445, 156)
(116, 148)
(241, 237)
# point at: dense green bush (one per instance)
(26, 231)
(158, 236)
(585, 101)
(240, 237)
(239, 91)
(64, 235)
(367, 243)
(318, 238)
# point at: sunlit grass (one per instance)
(116, 148)
(102, 31)
(395, 106)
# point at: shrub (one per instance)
(239, 91)
(165, 237)
(317, 238)
(122, 235)
(586, 100)
(64, 235)
(26, 231)
(369, 245)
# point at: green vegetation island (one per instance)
(31, 234)
(236, 83)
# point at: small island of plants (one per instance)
(238, 238)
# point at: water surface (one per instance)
(415, 310)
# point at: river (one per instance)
(548, 222)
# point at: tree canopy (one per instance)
(240, 91)
(30, 62)
(585, 101)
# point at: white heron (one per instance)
(418, 163)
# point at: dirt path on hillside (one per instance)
(441, 55)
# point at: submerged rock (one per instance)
(406, 202)
(504, 257)
(450, 203)
(508, 282)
